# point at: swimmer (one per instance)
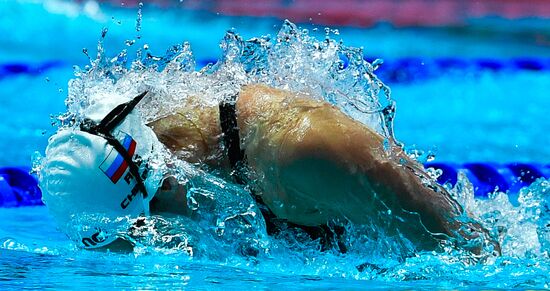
(308, 164)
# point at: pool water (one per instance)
(26, 263)
(462, 113)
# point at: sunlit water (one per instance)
(34, 253)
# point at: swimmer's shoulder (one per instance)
(261, 99)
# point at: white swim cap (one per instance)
(88, 181)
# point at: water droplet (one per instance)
(376, 63)
(104, 32)
(139, 17)
(36, 160)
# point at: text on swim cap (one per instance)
(130, 197)
(135, 190)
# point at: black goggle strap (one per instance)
(107, 124)
(117, 115)
(231, 138)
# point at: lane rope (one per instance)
(393, 70)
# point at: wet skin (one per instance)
(314, 164)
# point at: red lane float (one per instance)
(364, 13)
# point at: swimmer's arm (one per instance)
(300, 130)
(356, 149)
(292, 132)
(359, 150)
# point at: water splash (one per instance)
(324, 69)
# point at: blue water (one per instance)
(463, 115)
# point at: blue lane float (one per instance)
(32, 69)
(490, 177)
(412, 69)
(394, 70)
(20, 188)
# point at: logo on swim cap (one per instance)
(96, 239)
(114, 166)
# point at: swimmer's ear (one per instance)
(117, 246)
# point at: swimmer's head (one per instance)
(93, 176)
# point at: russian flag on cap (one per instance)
(114, 165)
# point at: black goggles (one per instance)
(104, 129)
